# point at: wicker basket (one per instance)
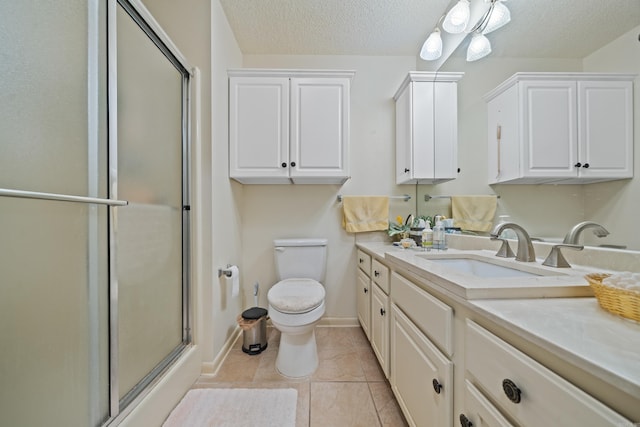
(623, 302)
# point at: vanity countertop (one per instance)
(577, 330)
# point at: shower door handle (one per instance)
(60, 197)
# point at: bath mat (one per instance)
(235, 407)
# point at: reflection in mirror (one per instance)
(600, 39)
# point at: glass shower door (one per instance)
(54, 365)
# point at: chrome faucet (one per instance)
(525, 250)
(573, 236)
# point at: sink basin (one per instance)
(482, 268)
(489, 267)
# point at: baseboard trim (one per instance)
(211, 368)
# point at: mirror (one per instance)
(546, 211)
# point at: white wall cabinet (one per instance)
(289, 126)
(427, 128)
(561, 128)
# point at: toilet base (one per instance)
(298, 354)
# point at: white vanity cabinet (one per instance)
(561, 128)
(363, 289)
(380, 314)
(421, 349)
(289, 126)
(427, 128)
(523, 389)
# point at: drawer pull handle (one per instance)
(382, 311)
(464, 421)
(511, 390)
(366, 290)
(437, 387)
(360, 260)
(376, 273)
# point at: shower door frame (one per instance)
(121, 406)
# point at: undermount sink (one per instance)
(481, 268)
(488, 268)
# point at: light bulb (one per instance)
(479, 47)
(499, 16)
(432, 47)
(458, 18)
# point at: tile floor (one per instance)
(348, 388)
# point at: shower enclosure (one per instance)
(94, 209)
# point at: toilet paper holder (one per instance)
(225, 271)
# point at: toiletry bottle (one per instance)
(427, 237)
(439, 237)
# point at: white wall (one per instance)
(280, 211)
(616, 204)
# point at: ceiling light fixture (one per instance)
(457, 18)
(456, 21)
(499, 17)
(432, 47)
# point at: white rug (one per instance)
(235, 407)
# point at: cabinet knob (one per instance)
(511, 390)
(464, 421)
(284, 165)
(578, 165)
(293, 164)
(376, 273)
(406, 170)
(437, 387)
(586, 165)
(366, 290)
(458, 170)
(360, 260)
(382, 311)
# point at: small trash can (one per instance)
(254, 330)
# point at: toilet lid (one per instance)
(296, 296)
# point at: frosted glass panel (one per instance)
(43, 96)
(149, 230)
(53, 314)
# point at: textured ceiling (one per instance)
(538, 28)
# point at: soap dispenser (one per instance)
(427, 236)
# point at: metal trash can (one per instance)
(254, 330)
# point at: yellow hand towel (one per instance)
(365, 213)
(473, 213)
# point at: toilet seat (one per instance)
(296, 296)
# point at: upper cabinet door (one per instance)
(259, 129)
(319, 146)
(549, 128)
(605, 133)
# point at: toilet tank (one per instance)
(301, 258)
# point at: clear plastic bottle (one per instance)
(439, 238)
(427, 237)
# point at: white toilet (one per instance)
(296, 303)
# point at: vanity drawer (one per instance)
(380, 275)
(364, 262)
(479, 411)
(527, 391)
(432, 316)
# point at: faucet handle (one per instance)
(505, 250)
(556, 259)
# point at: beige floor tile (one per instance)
(370, 365)
(359, 338)
(342, 404)
(387, 407)
(328, 337)
(338, 364)
(238, 366)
